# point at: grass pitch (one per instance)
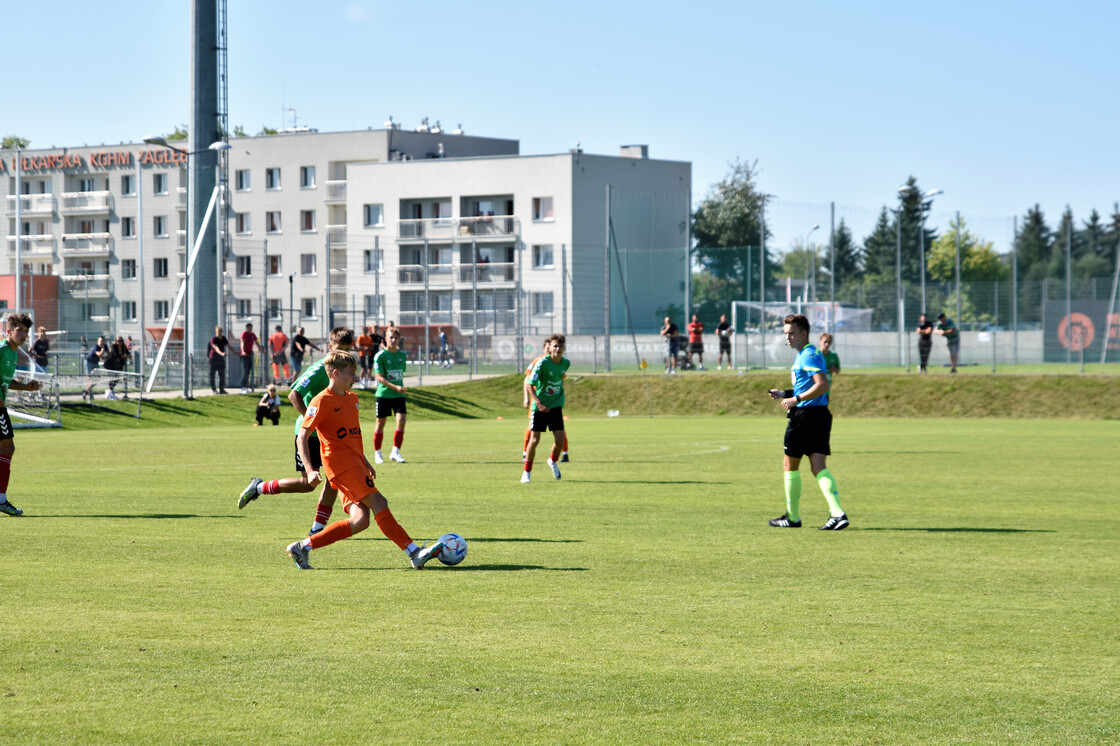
(643, 599)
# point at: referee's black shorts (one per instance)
(808, 431)
(314, 452)
(552, 420)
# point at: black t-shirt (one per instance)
(721, 331)
(672, 332)
(96, 352)
(220, 342)
(377, 340)
(925, 337)
(39, 351)
(299, 345)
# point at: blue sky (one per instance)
(1000, 105)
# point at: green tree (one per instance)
(266, 130)
(848, 256)
(1093, 256)
(879, 248)
(239, 131)
(979, 260)
(179, 133)
(1034, 245)
(14, 142)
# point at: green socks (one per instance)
(793, 495)
(828, 487)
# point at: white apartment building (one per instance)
(354, 228)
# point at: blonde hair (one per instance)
(339, 360)
(272, 387)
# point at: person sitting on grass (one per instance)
(268, 406)
(333, 414)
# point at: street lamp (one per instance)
(216, 147)
(812, 265)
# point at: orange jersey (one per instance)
(335, 418)
(531, 364)
(365, 343)
(278, 341)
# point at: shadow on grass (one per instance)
(150, 516)
(472, 539)
(642, 481)
(965, 529)
(467, 568)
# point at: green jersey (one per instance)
(390, 365)
(310, 385)
(9, 356)
(831, 360)
(950, 329)
(547, 379)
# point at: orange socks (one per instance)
(389, 526)
(337, 531)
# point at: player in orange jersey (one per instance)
(333, 414)
(525, 403)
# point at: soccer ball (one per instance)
(454, 549)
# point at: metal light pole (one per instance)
(291, 298)
(812, 289)
(19, 232)
(140, 255)
(216, 146)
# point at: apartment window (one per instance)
(162, 309)
(128, 184)
(272, 222)
(128, 310)
(128, 269)
(128, 227)
(159, 226)
(374, 216)
(542, 208)
(85, 185)
(274, 265)
(307, 264)
(372, 260)
(242, 224)
(244, 266)
(307, 177)
(274, 308)
(159, 183)
(307, 220)
(307, 305)
(245, 307)
(542, 256)
(374, 304)
(84, 226)
(159, 268)
(272, 178)
(241, 180)
(542, 304)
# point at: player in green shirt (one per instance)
(388, 370)
(946, 328)
(545, 388)
(309, 385)
(831, 359)
(19, 324)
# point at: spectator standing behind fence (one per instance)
(300, 344)
(925, 341)
(115, 361)
(696, 340)
(40, 348)
(831, 359)
(278, 344)
(249, 345)
(670, 331)
(724, 332)
(217, 351)
(93, 359)
(268, 406)
(444, 358)
(946, 328)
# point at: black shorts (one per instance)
(696, 348)
(725, 345)
(314, 451)
(808, 431)
(6, 431)
(367, 360)
(390, 405)
(280, 358)
(552, 420)
(674, 348)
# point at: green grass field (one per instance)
(643, 599)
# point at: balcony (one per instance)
(336, 191)
(180, 240)
(86, 203)
(502, 227)
(439, 275)
(87, 286)
(39, 244)
(181, 197)
(85, 245)
(336, 235)
(31, 205)
(487, 273)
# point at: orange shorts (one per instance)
(353, 485)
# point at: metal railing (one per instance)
(446, 229)
(336, 190)
(336, 234)
(32, 204)
(83, 285)
(38, 244)
(87, 244)
(77, 202)
(488, 272)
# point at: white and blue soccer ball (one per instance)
(454, 549)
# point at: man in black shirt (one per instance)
(724, 332)
(300, 344)
(40, 348)
(217, 354)
(925, 341)
(670, 331)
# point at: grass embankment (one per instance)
(692, 394)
